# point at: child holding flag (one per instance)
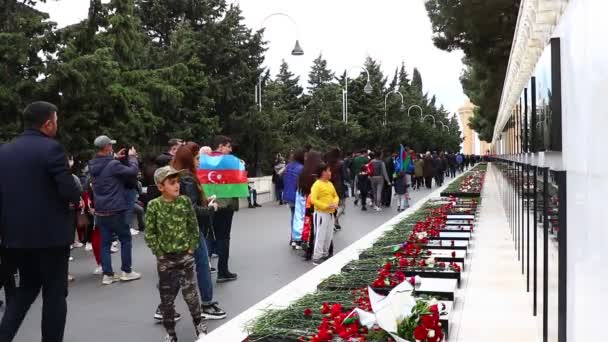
(325, 199)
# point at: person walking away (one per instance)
(428, 170)
(277, 177)
(38, 246)
(166, 157)
(401, 185)
(333, 159)
(387, 190)
(419, 172)
(325, 200)
(360, 160)
(363, 186)
(109, 177)
(347, 176)
(173, 235)
(379, 176)
(290, 182)
(460, 162)
(452, 164)
(222, 219)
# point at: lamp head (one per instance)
(402, 108)
(368, 88)
(297, 50)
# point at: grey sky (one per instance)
(345, 31)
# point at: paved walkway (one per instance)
(259, 254)
(496, 306)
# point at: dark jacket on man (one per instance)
(36, 189)
(428, 169)
(110, 179)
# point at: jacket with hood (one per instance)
(109, 178)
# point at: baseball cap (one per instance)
(103, 141)
(165, 172)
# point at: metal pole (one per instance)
(535, 249)
(545, 253)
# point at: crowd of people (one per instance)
(315, 186)
(112, 197)
(100, 209)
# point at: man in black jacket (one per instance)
(36, 189)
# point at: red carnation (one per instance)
(453, 254)
(307, 312)
(403, 262)
(413, 280)
(434, 308)
(428, 321)
(336, 310)
(325, 308)
(388, 266)
(420, 333)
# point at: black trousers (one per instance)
(39, 269)
(7, 276)
(222, 226)
(428, 181)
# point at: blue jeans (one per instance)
(131, 198)
(203, 274)
(115, 224)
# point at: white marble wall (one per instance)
(583, 31)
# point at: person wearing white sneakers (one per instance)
(109, 181)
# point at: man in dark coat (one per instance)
(36, 189)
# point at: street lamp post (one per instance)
(297, 51)
(432, 117)
(419, 108)
(402, 108)
(444, 126)
(367, 89)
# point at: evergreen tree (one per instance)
(26, 40)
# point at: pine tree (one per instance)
(319, 75)
(25, 39)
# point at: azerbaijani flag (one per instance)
(223, 175)
(402, 160)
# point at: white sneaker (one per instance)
(376, 208)
(130, 276)
(134, 232)
(113, 249)
(77, 244)
(71, 258)
(98, 270)
(107, 280)
(88, 247)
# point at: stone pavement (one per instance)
(496, 306)
(260, 254)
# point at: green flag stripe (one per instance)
(226, 190)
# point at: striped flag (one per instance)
(223, 175)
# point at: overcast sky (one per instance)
(345, 32)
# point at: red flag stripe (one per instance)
(222, 176)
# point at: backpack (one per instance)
(369, 168)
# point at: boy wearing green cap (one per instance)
(172, 234)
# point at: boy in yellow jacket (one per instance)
(325, 200)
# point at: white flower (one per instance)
(431, 333)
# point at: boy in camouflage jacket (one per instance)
(172, 234)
